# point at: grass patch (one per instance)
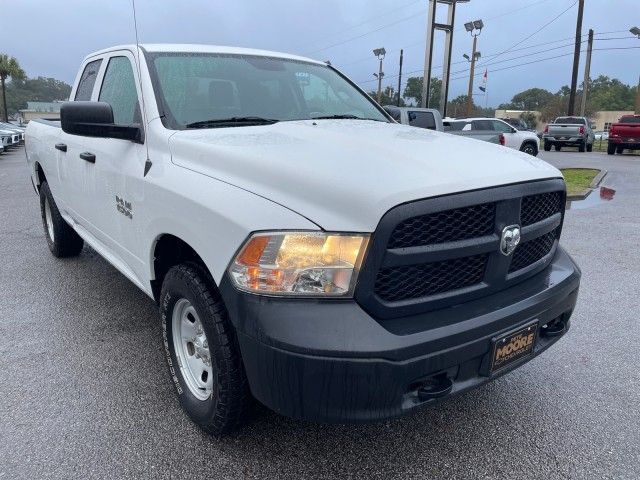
(578, 179)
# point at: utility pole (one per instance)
(636, 31)
(446, 69)
(400, 77)
(576, 59)
(587, 69)
(380, 53)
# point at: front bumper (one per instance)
(330, 361)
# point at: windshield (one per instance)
(204, 90)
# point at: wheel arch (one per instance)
(39, 175)
(167, 251)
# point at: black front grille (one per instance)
(538, 207)
(413, 281)
(440, 227)
(530, 252)
(438, 252)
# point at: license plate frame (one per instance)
(513, 346)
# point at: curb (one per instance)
(594, 183)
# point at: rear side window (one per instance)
(422, 120)
(498, 126)
(455, 126)
(119, 90)
(482, 125)
(88, 80)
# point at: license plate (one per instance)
(513, 346)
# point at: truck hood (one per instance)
(345, 174)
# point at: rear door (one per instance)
(68, 148)
(115, 177)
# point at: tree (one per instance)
(413, 91)
(389, 96)
(9, 68)
(40, 89)
(532, 99)
(530, 119)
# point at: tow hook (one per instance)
(435, 387)
(554, 328)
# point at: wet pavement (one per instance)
(84, 392)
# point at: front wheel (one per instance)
(558, 148)
(202, 351)
(63, 241)
(547, 147)
(589, 147)
(619, 150)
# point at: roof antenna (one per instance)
(147, 163)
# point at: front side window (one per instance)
(87, 81)
(204, 90)
(119, 90)
(422, 120)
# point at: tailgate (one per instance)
(564, 130)
(626, 130)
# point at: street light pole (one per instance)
(471, 27)
(471, 72)
(380, 53)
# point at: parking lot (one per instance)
(85, 392)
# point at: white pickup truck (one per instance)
(303, 249)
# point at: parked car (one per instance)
(302, 247)
(569, 132)
(9, 138)
(457, 127)
(601, 135)
(624, 135)
(428, 118)
(522, 140)
(14, 129)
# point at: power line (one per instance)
(408, 18)
(536, 32)
(384, 14)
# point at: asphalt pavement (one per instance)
(84, 391)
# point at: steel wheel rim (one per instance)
(192, 349)
(48, 220)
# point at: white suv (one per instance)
(522, 140)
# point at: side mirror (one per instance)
(513, 130)
(95, 119)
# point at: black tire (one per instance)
(226, 406)
(530, 148)
(558, 148)
(581, 147)
(63, 240)
(619, 150)
(547, 147)
(611, 149)
(589, 147)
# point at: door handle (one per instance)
(88, 156)
(61, 146)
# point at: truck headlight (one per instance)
(299, 263)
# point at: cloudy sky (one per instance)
(50, 38)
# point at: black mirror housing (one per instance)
(95, 119)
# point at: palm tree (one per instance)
(9, 67)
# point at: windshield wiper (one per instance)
(344, 117)
(225, 122)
